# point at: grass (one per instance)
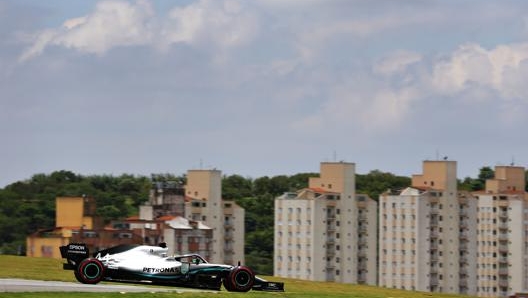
(51, 269)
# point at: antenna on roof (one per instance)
(437, 154)
(513, 161)
(335, 156)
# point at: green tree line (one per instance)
(27, 206)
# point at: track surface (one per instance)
(25, 285)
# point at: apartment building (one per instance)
(502, 227)
(326, 232)
(426, 242)
(203, 202)
(215, 226)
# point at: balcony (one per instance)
(503, 271)
(434, 281)
(362, 266)
(330, 276)
(362, 241)
(362, 278)
(462, 272)
(463, 213)
(362, 229)
(433, 270)
(503, 248)
(463, 283)
(434, 245)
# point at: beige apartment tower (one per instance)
(426, 242)
(326, 232)
(204, 202)
(502, 229)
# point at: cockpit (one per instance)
(191, 259)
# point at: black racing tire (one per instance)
(89, 271)
(227, 284)
(240, 279)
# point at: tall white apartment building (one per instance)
(425, 238)
(326, 232)
(203, 195)
(502, 228)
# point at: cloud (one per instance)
(396, 62)
(118, 23)
(113, 23)
(472, 66)
(225, 23)
(471, 76)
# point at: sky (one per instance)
(262, 87)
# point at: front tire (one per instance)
(89, 271)
(240, 279)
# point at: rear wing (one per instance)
(74, 253)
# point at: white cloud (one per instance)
(379, 110)
(471, 65)
(225, 23)
(396, 62)
(383, 102)
(113, 23)
(116, 23)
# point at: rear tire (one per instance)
(89, 271)
(240, 279)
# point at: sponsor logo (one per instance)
(161, 270)
(77, 247)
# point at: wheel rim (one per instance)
(242, 278)
(91, 271)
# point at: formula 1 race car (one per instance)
(150, 264)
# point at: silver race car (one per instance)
(151, 264)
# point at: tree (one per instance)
(376, 182)
(236, 187)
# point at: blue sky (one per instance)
(261, 87)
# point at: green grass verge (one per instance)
(51, 269)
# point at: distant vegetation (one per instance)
(27, 206)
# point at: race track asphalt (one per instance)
(25, 285)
